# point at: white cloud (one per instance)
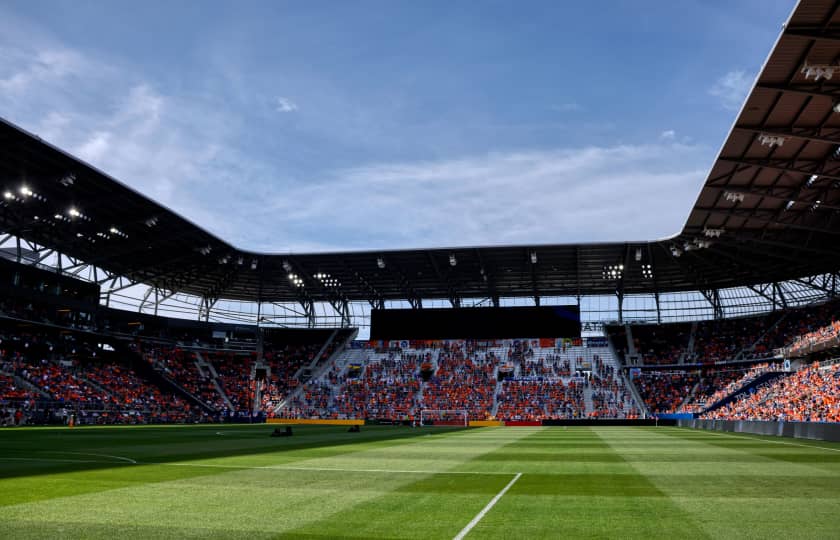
(185, 153)
(564, 195)
(285, 105)
(731, 89)
(47, 65)
(668, 135)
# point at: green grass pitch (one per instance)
(385, 482)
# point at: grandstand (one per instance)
(115, 310)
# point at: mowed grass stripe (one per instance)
(436, 506)
(743, 493)
(326, 483)
(578, 499)
(274, 503)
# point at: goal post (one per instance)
(444, 417)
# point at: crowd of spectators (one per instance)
(234, 375)
(664, 391)
(811, 394)
(661, 344)
(717, 384)
(526, 400)
(92, 391)
(463, 381)
(180, 366)
(816, 338)
(521, 381)
(284, 363)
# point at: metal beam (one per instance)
(814, 33)
(816, 89)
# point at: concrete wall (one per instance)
(820, 431)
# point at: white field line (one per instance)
(251, 467)
(324, 469)
(745, 437)
(121, 458)
(486, 509)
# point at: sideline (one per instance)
(486, 509)
(754, 437)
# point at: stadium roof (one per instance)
(767, 212)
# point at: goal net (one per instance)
(439, 417)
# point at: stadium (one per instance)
(156, 381)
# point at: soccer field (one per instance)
(385, 482)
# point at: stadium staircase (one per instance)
(155, 374)
(207, 371)
(621, 371)
(99, 388)
(20, 381)
(743, 353)
(341, 358)
(689, 397)
(588, 405)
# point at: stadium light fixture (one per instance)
(675, 251)
(67, 180)
(286, 266)
(8, 195)
(789, 205)
(836, 107)
(73, 212)
(151, 222)
(533, 257)
(240, 261)
(638, 254)
(713, 233)
(733, 196)
(613, 271)
(818, 71)
(813, 178)
(766, 139)
(254, 264)
(452, 260)
(25, 191)
(380, 262)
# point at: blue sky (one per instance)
(301, 126)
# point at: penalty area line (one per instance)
(486, 509)
(323, 469)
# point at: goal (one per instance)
(441, 417)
